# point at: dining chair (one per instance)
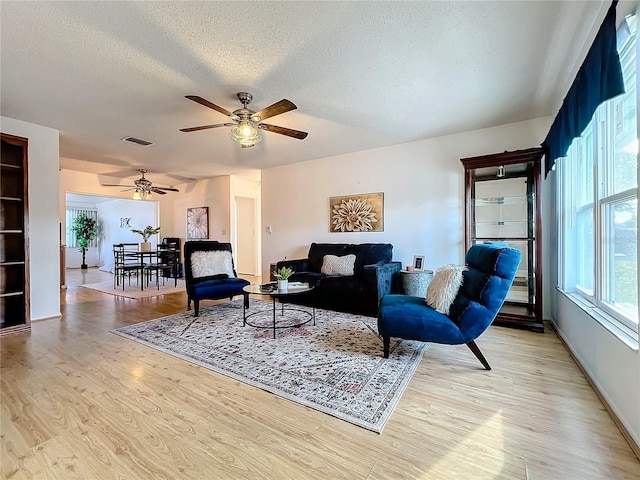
(125, 262)
(166, 261)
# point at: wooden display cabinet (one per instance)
(14, 241)
(502, 204)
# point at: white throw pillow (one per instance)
(209, 263)
(334, 265)
(444, 287)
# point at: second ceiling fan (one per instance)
(247, 124)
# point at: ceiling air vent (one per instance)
(139, 141)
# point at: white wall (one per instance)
(213, 193)
(423, 186)
(44, 252)
(142, 213)
(612, 365)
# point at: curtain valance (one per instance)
(598, 80)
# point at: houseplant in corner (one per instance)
(145, 246)
(282, 276)
(86, 229)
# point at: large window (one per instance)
(598, 198)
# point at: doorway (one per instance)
(246, 242)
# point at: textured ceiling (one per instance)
(363, 75)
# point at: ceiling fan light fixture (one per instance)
(246, 133)
(142, 194)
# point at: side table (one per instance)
(415, 282)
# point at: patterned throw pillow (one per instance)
(210, 263)
(444, 287)
(333, 265)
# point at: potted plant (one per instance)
(86, 229)
(282, 276)
(145, 246)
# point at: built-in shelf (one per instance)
(14, 259)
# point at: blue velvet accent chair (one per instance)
(212, 287)
(491, 268)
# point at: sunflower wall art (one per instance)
(197, 223)
(357, 213)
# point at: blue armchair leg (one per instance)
(476, 351)
(196, 307)
(386, 342)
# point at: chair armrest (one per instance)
(299, 265)
(378, 279)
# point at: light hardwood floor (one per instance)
(80, 402)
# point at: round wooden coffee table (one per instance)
(271, 290)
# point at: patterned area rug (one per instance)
(133, 290)
(335, 367)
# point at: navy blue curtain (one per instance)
(598, 80)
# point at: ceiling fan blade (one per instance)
(277, 108)
(207, 103)
(205, 127)
(157, 190)
(166, 189)
(117, 185)
(284, 131)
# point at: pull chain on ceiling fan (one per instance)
(143, 189)
(247, 128)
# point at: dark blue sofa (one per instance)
(359, 293)
(213, 287)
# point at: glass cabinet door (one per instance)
(502, 212)
(501, 206)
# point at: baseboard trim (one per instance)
(40, 319)
(625, 433)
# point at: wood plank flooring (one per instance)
(80, 402)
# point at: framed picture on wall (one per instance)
(357, 213)
(197, 223)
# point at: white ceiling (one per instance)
(363, 75)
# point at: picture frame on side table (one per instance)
(418, 263)
(198, 223)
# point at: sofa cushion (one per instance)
(404, 316)
(369, 254)
(444, 287)
(312, 278)
(218, 288)
(345, 285)
(333, 265)
(317, 251)
(211, 263)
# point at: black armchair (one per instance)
(209, 273)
